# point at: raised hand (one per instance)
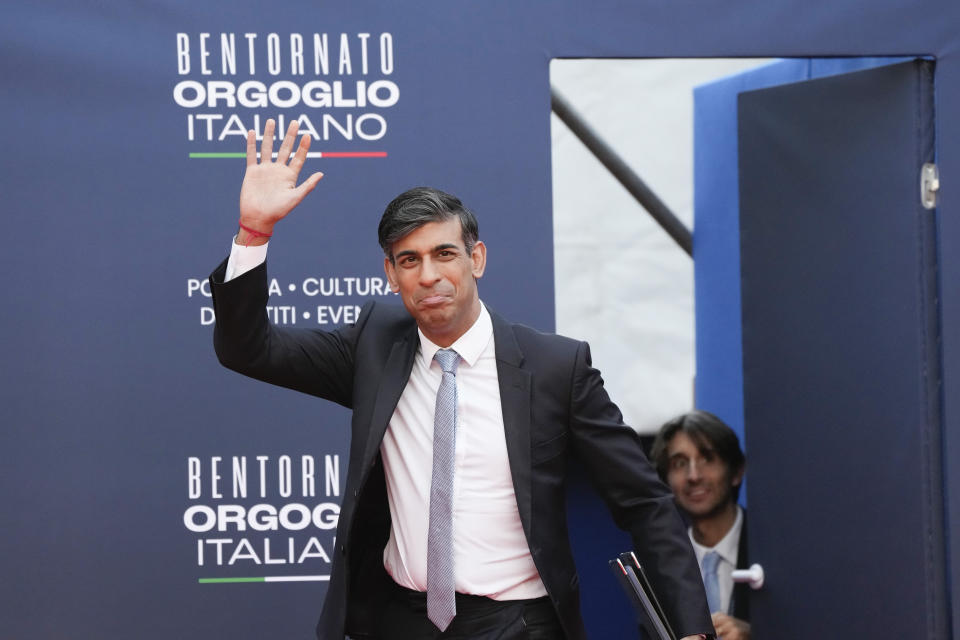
(270, 190)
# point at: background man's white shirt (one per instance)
(728, 549)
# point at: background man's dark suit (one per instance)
(554, 405)
(741, 590)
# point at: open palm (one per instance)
(270, 190)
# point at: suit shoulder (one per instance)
(536, 343)
(384, 314)
(384, 320)
(529, 334)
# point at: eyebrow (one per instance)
(439, 247)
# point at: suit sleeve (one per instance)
(320, 363)
(640, 503)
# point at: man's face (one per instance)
(436, 278)
(700, 480)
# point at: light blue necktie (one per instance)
(711, 583)
(441, 601)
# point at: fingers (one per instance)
(719, 623)
(266, 148)
(251, 147)
(301, 155)
(287, 145)
(725, 626)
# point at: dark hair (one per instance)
(708, 432)
(414, 208)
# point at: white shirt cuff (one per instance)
(242, 259)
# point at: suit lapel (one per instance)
(514, 384)
(396, 373)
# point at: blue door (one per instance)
(841, 358)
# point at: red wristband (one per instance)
(254, 233)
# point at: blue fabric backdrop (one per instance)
(109, 388)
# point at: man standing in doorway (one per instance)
(700, 457)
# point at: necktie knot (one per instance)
(711, 560)
(448, 359)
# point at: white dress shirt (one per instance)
(243, 258)
(491, 555)
(728, 550)
(490, 551)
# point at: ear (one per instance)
(738, 477)
(479, 259)
(391, 270)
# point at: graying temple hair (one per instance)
(414, 208)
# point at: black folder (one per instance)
(634, 581)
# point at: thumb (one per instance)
(307, 186)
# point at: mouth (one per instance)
(434, 300)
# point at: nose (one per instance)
(693, 470)
(429, 274)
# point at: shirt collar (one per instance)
(470, 345)
(728, 547)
